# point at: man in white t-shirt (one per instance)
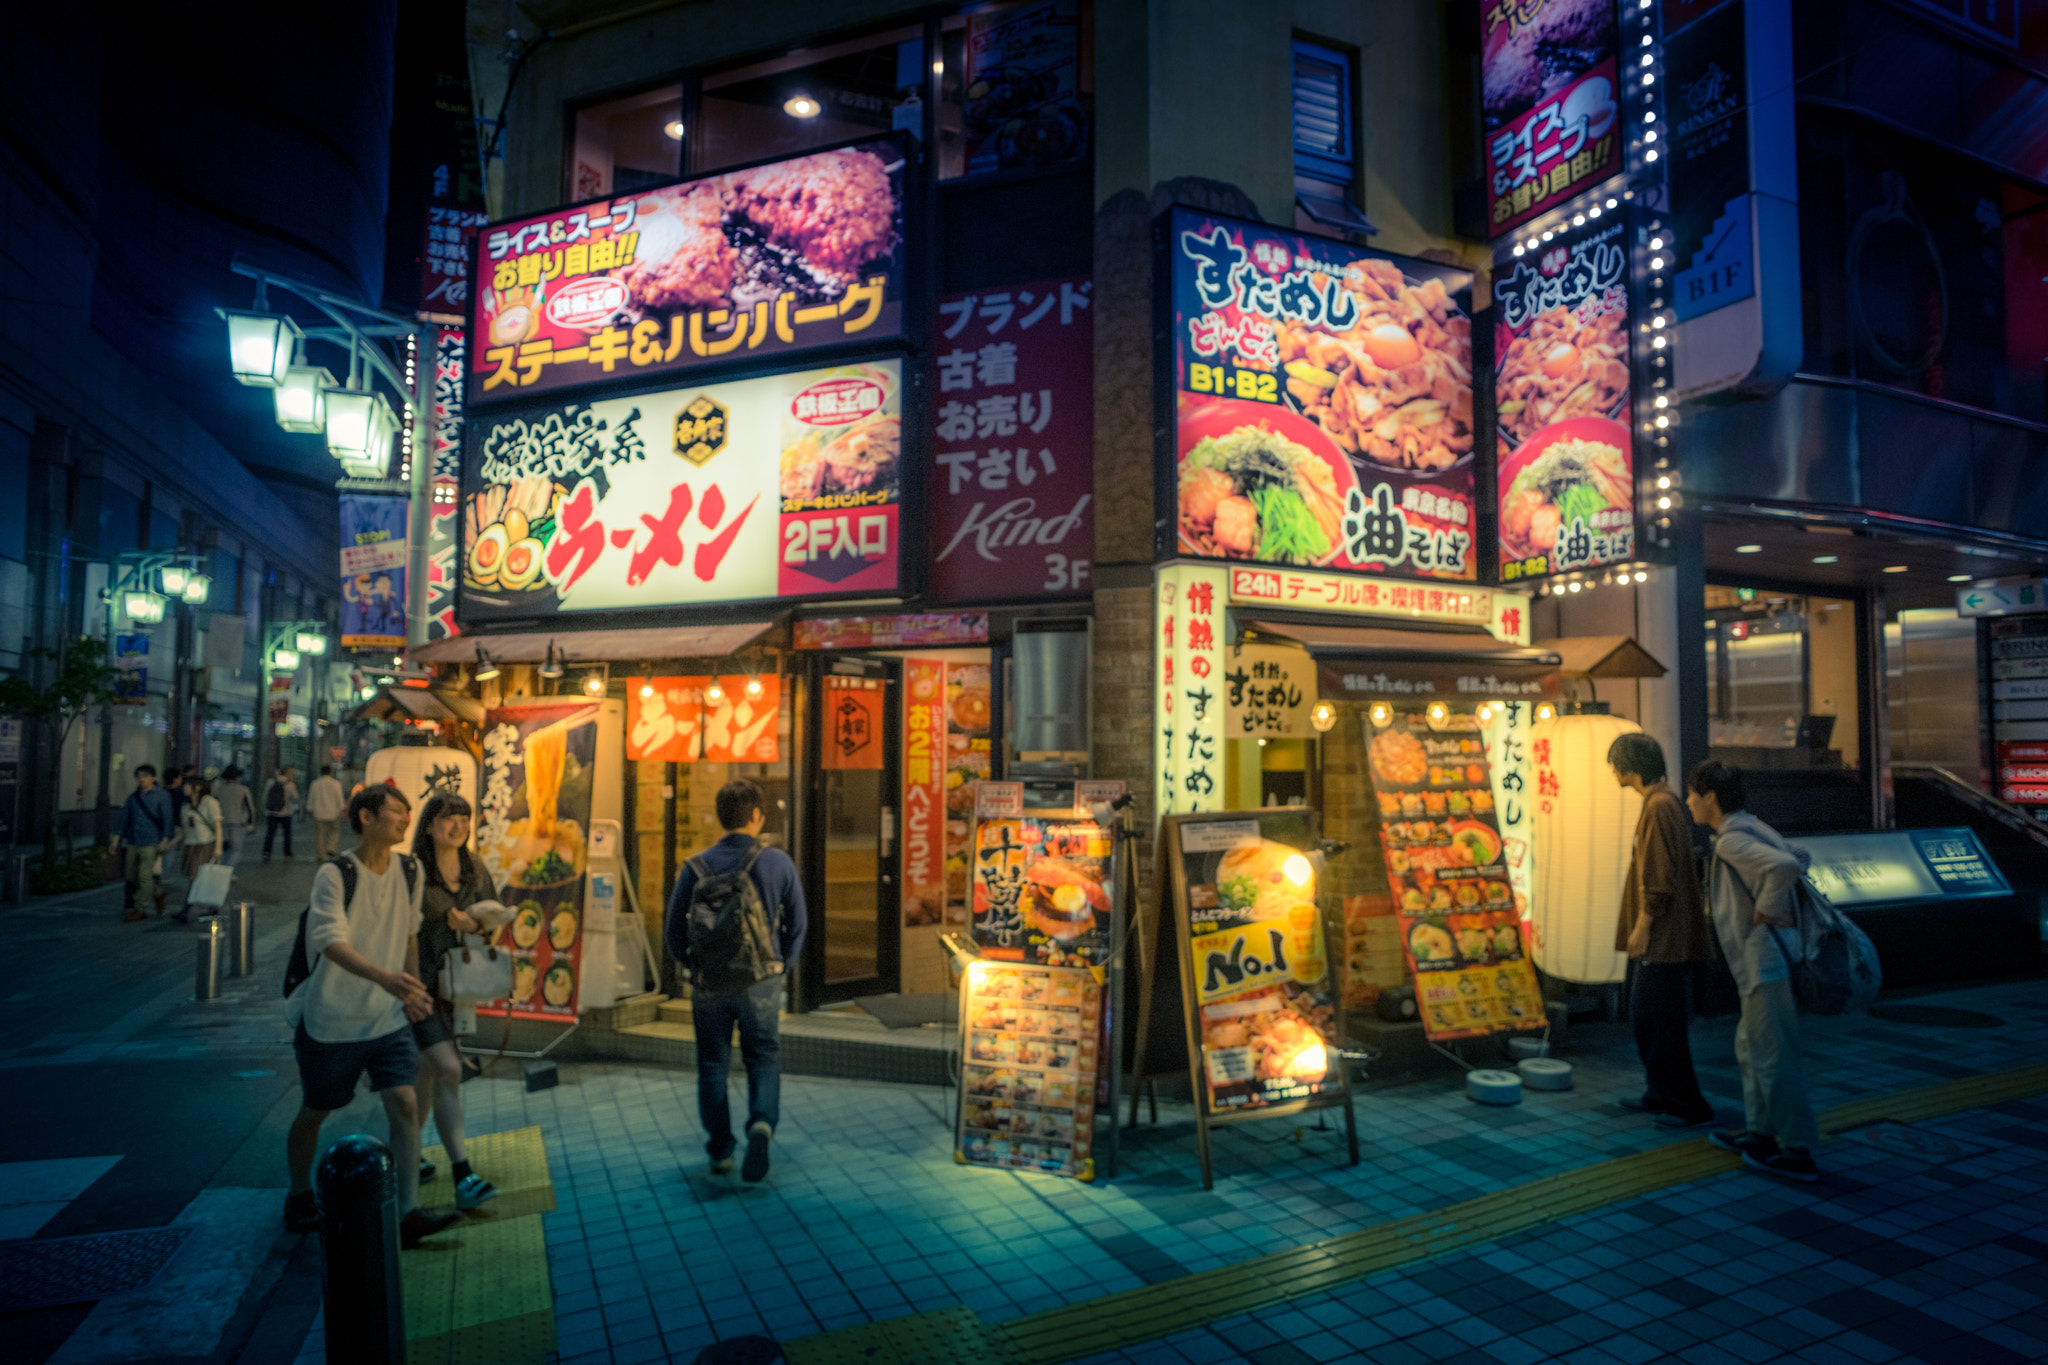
(355, 1012)
(325, 802)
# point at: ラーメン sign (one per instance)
(785, 486)
(772, 259)
(1322, 402)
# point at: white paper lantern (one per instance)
(421, 770)
(1585, 834)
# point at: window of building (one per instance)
(1016, 87)
(1325, 154)
(813, 97)
(1783, 685)
(627, 144)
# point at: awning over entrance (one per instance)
(1605, 656)
(397, 702)
(1391, 665)
(663, 642)
(1474, 648)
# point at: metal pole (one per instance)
(243, 948)
(358, 1195)
(420, 522)
(207, 984)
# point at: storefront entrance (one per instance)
(849, 834)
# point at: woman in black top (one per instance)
(455, 881)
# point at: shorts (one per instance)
(328, 1071)
(438, 1027)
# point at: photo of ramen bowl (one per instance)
(559, 987)
(1432, 943)
(525, 976)
(525, 928)
(562, 930)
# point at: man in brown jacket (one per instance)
(1663, 928)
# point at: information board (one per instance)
(1027, 1078)
(1855, 870)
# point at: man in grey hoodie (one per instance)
(1750, 886)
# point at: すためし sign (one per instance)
(770, 260)
(717, 493)
(1322, 402)
(1550, 72)
(1561, 399)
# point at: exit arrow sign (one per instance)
(2002, 597)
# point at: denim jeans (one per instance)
(757, 1010)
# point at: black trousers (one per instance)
(1660, 1007)
(270, 832)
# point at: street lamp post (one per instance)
(266, 350)
(134, 580)
(286, 645)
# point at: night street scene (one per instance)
(1141, 682)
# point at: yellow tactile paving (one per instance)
(479, 1294)
(1124, 1319)
(516, 1162)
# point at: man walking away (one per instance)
(237, 813)
(1751, 881)
(735, 920)
(147, 827)
(355, 1012)
(1663, 929)
(325, 803)
(278, 799)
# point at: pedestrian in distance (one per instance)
(735, 920)
(278, 799)
(1752, 880)
(353, 1011)
(174, 787)
(201, 826)
(148, 827)
(237, 813)
(1663, 929)
(325, 803)
(455, 883)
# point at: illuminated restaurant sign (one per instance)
(778, 487)
(768, 260)
(1551, 113)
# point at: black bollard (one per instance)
(359, 1252)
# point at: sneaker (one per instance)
(755, 1168)
(427, 1169)
(473, 1190)
(1788, 1164)
(421, 1224)
(722, 1165)
(1675, 1119)
(1741, 1141)
(301, 1212)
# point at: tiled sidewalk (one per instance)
(866, 1216)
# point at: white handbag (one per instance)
(479, 972)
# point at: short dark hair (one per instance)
(737, 802)
(142, 768)
(370, 801)
(200, 786)
(231, 773)
(1635, 752)
(326, 770)
(1715, 778)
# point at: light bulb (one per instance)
(1297, 871)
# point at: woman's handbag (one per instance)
(479, 972)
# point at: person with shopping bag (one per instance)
(201, 824)
(456, 884)
(148, 827)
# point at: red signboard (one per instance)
(1552, 111)
(852, 739)
(1013, 480)
(924, 791)
(892, 632)
(677, 720)
(745, 264)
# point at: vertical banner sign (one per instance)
(373, 550)
(280, 705)
(1271, 690)
(538, 770)
(1551, 75)
(1264, 998)
(1201, 704)
(1041, 891)
(1507, 753)
(852, 719)
(1561, 399)
(1027, 1083)
(1443, 850)
(1707, 160)
(1023, 84)
(1165, 682)
(1322, 402)
(677, 721)
(969, 714)
(131, 664)
(1013, 485)
(924, 792)
(445, 505)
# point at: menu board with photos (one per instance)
(1042, 890)
(1460, 932)
(1258, 965)
(1027, 1091)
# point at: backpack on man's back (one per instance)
(274, 800)
(732, 940)
(299, 966)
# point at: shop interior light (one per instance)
(302, 399)
(646, 689)
(1826, 559)
(1958, 578)
(1323, 716)
(286, 660)
(260, 346)
(1262, 741)
(594, 684)
(754, 688)
(1381, 714)
(1297, 870)
(551, 665)
(144, 606)
(801, 106)
(485, 669)
(197, 588)
(311, 642)
(360, 427)
(714, 693)
(674, 128)
(1749, 549)
(1897, 568)
(1545, 711)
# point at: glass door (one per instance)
(850, 834)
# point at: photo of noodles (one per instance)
(1562, 366)
(532, 824)
(1573, 479)
(1394, 391)
(1255, 494)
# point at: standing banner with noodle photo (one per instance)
(532, 831)
(1561, 402)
